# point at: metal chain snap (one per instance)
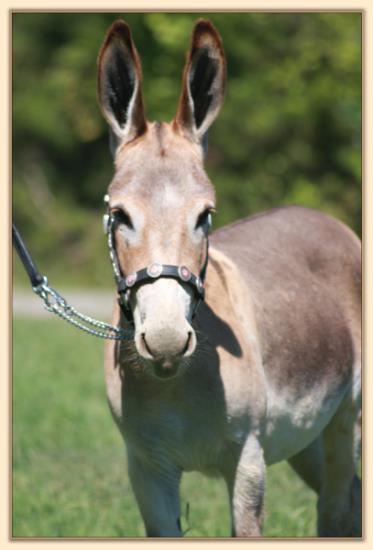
(55, 303)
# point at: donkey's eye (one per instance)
(122, 218)
(204, 219)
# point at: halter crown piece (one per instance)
(125, 283)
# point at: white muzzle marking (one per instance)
(162, 311)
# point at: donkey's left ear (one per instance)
(203, 85)
(119, 84)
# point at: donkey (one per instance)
(267, 368)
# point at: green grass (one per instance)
(69, 471)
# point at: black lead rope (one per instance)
(55, 303)
(34, 274)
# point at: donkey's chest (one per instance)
(188, 439)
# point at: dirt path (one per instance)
(95, 303)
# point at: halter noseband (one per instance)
(125, 283)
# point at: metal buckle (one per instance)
(105, 223)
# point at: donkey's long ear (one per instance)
(203, 81)
(119, 83)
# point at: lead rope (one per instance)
(55, 303)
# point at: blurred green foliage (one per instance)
(289, 132)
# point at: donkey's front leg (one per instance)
(246, 488)
(156, 489)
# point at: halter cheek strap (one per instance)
(125, 283)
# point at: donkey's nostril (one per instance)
(190, 344)
(187, 344)
(146, 345)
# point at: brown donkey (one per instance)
(268, 367)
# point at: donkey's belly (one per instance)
(291, 425)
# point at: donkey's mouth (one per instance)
(166, 368)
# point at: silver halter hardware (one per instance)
(125, 283)
(55, 303)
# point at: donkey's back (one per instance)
(296, 260)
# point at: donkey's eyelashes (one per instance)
(121, 217)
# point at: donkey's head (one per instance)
(160, 196)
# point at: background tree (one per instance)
(289, 132)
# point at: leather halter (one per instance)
(126, 283)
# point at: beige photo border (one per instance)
(6, 7)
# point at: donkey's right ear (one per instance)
(119, 83)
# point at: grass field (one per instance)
(69, 472)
